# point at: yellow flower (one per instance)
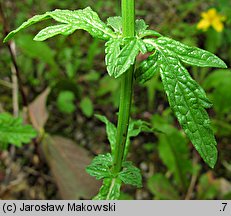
(211, 18)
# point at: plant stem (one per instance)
(128, 19)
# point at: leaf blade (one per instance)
(100, 166)
(184, 101)
(29, 22)
(51, 31)
(12, 131)
(111, 131)
(112, 50)
(85, 19)
(130, 175)
(115, 23)
(126, 57)
(190, 55)
(147, 69)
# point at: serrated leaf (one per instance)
(147, 69)
(115, 23)
(111, 131)
(110, 189)
(12, 131)
(100, 166)
(140, 26)
(190, 55)
(174, 152)
(130, 175)
(85, 19)
(184, 100)
(188, 100)
(125, 58)
(160, 186)
(112, 50)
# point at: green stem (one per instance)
(128, 19)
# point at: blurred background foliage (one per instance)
(74, 71)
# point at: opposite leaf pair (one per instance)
(101, 166)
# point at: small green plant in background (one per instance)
(125, 38)
(12, 131)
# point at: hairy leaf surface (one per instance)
(12, 131)
(85, 19)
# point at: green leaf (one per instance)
(12, 131)
(115, 23)
(147, 69)
(37, 50)
(134, 129)
(100, 166)
(112, 50)
(130, 175)
(65, 102)
(124, 59)
(190, 55)
(52, 31)
(138, 126)
(140, 26)
(142, 46)
(110, 189)
(188, 100)
(87, 107)
(218, 84)
(174, 152)
(111, 131)
(85, 19)
(149, 32)
(160, 186)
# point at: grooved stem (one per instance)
(128, 20)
